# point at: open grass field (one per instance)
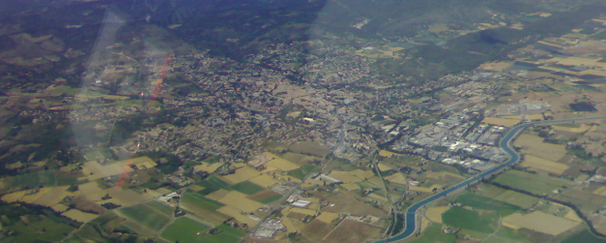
(223, 237)
(433, 234)
(265, 196)
(486, 203)
(534, 145)
(237, 214)
(584, 236)
(247, 187)
(282, 164)
(146, 216)
(44, 178)
(201, 201)
(540, 222)
(184, 229)
(516, 198)
(530, 182)
(303, 171)
(468, 219)
(161, 207)
(79, 216)
(537, 163)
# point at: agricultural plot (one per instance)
(238, 200)
(302, 172)
(146, 216)
(184, 229)
(501, 121)
(435, 213)
(45, 178)
(433, 233)
(486, 203)
(79, 216)
(516, 198)
(242, 174)
(200, 201)
(584, 236)
(212, 184)
(540, 222)
(468, 219)
(265, 196)
(530, 182)
(282, 164)
(534, 145)
(247, 187)
(264, 180)
(537, 163)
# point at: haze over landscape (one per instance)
(302, 121)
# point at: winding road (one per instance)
(410, 218)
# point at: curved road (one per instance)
(410, 215)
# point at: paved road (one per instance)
(410, 215)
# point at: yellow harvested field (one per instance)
(534, 145)
(327, 217)
(344, 176)
(14, 197)
(600, 191)
(242, 174)
(79, 216)
(540, 222)
(388, 154)
(60, 208)
(572, 215)
(33, 197)
(92, 191)
(238, 200)
(264, 180)
(495, 66)
(397, 178)
(100, 171)
(206, 167)
(544, 165)
(217, 195)
(282, 164)
(350, 186)
(290, 227)
(305, 211)
(384, 167)
(435, 213)
(362, 174)
(235, 213)
(127, 197)
(581, 129)
(501, 121)
(54, 196)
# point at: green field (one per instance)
(270, 199)
(584, 236)
(433, 234)
(531, 182)
(303, 171)
(222, 237)
(462, 218)
(163, 208)
(201, 201)
(516, 198)
(482, 202)
(247, 187)
(212, 184)
(37, 179)
(146, 216)
(184, 230)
